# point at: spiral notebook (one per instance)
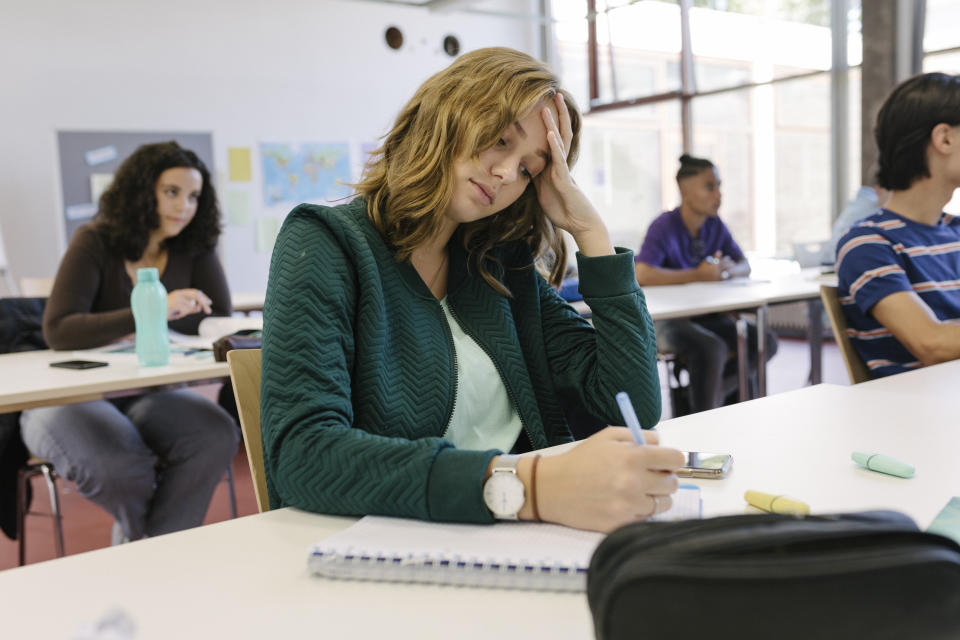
(510, 555)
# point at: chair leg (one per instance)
(23, 477)
(54, 508)
(669, 375)
(232, 490)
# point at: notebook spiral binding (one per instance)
(447, 570)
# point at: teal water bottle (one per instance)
(149, 304)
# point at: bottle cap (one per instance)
(148, 274)
(883, 464)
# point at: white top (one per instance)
(483, 416)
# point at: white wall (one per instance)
(247, 71)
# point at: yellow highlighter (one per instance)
(776, 504)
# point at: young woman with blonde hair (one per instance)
(409, 339)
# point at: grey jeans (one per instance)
(111, 450)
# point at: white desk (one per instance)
(248, 577)
(939, 381)
(29, 381)
(669, 302)
(799, 443)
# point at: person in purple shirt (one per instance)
(692, 244)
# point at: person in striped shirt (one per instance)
(899, 268)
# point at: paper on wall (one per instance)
(238, 204)
(267, 229)
(101, 155)
(81, 211)
(99, 182)
(240, 165)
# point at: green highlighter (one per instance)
(883, 464)
(947, 522)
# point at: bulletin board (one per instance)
(89, 158)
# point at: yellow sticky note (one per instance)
(239, 164)
(267, 229)
(237, 204)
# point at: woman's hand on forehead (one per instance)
(562, 201)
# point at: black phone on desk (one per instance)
(78, 364)
(705, 465)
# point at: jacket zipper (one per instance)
(453, 363)
(510, 394)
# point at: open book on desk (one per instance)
(510, 555)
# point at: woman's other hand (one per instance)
(607, 481)
(562, 200)
(186, 302)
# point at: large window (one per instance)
(756, 101)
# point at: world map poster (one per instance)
(307, 172)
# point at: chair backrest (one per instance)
(856, 368)
(245, 376)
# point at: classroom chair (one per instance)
(245, 376)
(35, 467)
(679, 394)
(21, 330)
(856, 368)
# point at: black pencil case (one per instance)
(860, 575)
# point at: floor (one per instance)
(87, 526)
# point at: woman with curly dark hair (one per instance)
(161, 211)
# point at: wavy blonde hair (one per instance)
(460, 112)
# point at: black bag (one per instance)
(862, 575)
(243, 339)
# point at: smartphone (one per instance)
(705, 465)
(78, 364)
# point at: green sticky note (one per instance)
(237, 203)
(267, 229)
(947, 522)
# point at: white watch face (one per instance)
(503, 494)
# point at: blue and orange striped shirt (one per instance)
(885, 253)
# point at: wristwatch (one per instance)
(503, 492)
(724, 275)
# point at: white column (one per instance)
(764, 161)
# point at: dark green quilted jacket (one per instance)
(358, 371)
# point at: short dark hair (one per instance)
(691, 166)
(128, 208)
(905, 121)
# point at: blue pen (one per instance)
(630, 417)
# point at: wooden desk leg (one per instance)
(815, 337)
(762, 351)
(742, 357)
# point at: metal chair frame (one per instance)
(35, 467)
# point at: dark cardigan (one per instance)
(358, 379)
